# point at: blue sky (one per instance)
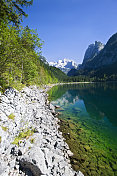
(67, 27)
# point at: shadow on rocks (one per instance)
(29, 169)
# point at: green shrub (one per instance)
(29, 148)
(32, 140)
(11, 116)
(4, 128)
(18, 85)
(23, 135)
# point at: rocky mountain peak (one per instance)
(99, 55)
(92, 51)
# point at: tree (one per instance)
(12, 10)
(18, 56)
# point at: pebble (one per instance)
(39, 148)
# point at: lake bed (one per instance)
(88, 114)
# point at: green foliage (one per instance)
(32, 140)
(102, 74)
(4, 128)
(17, 85)
(12, 10)
(20, 60)
(58, 74)
(0, 139)
(23, 135)
(11, 116)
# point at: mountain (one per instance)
(107, 56)
(101, 65)
(64, 65)
(92, 51)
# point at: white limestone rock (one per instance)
(43, 151)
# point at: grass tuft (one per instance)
(4, 128)
(32, 140)
(23, 135)
(11, 116)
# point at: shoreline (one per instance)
(30, 142)
(57, 84)
(90, 156)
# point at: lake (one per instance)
(88, 120)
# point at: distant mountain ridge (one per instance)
(100, 61)
(106, 56)
(64, 65)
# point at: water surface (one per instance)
(90, 113)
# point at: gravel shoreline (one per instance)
(30, 142)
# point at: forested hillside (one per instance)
(20, 50)
(21, 60)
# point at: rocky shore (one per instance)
(30, 142)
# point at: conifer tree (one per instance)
(12, 10)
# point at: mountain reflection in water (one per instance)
(100, 100)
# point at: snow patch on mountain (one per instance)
(65, 65)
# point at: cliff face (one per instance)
(106, 56)
(92, 51)
(30, 143)
(99, 61)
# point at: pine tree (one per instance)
(12, 10)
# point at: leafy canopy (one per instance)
(12, 10)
